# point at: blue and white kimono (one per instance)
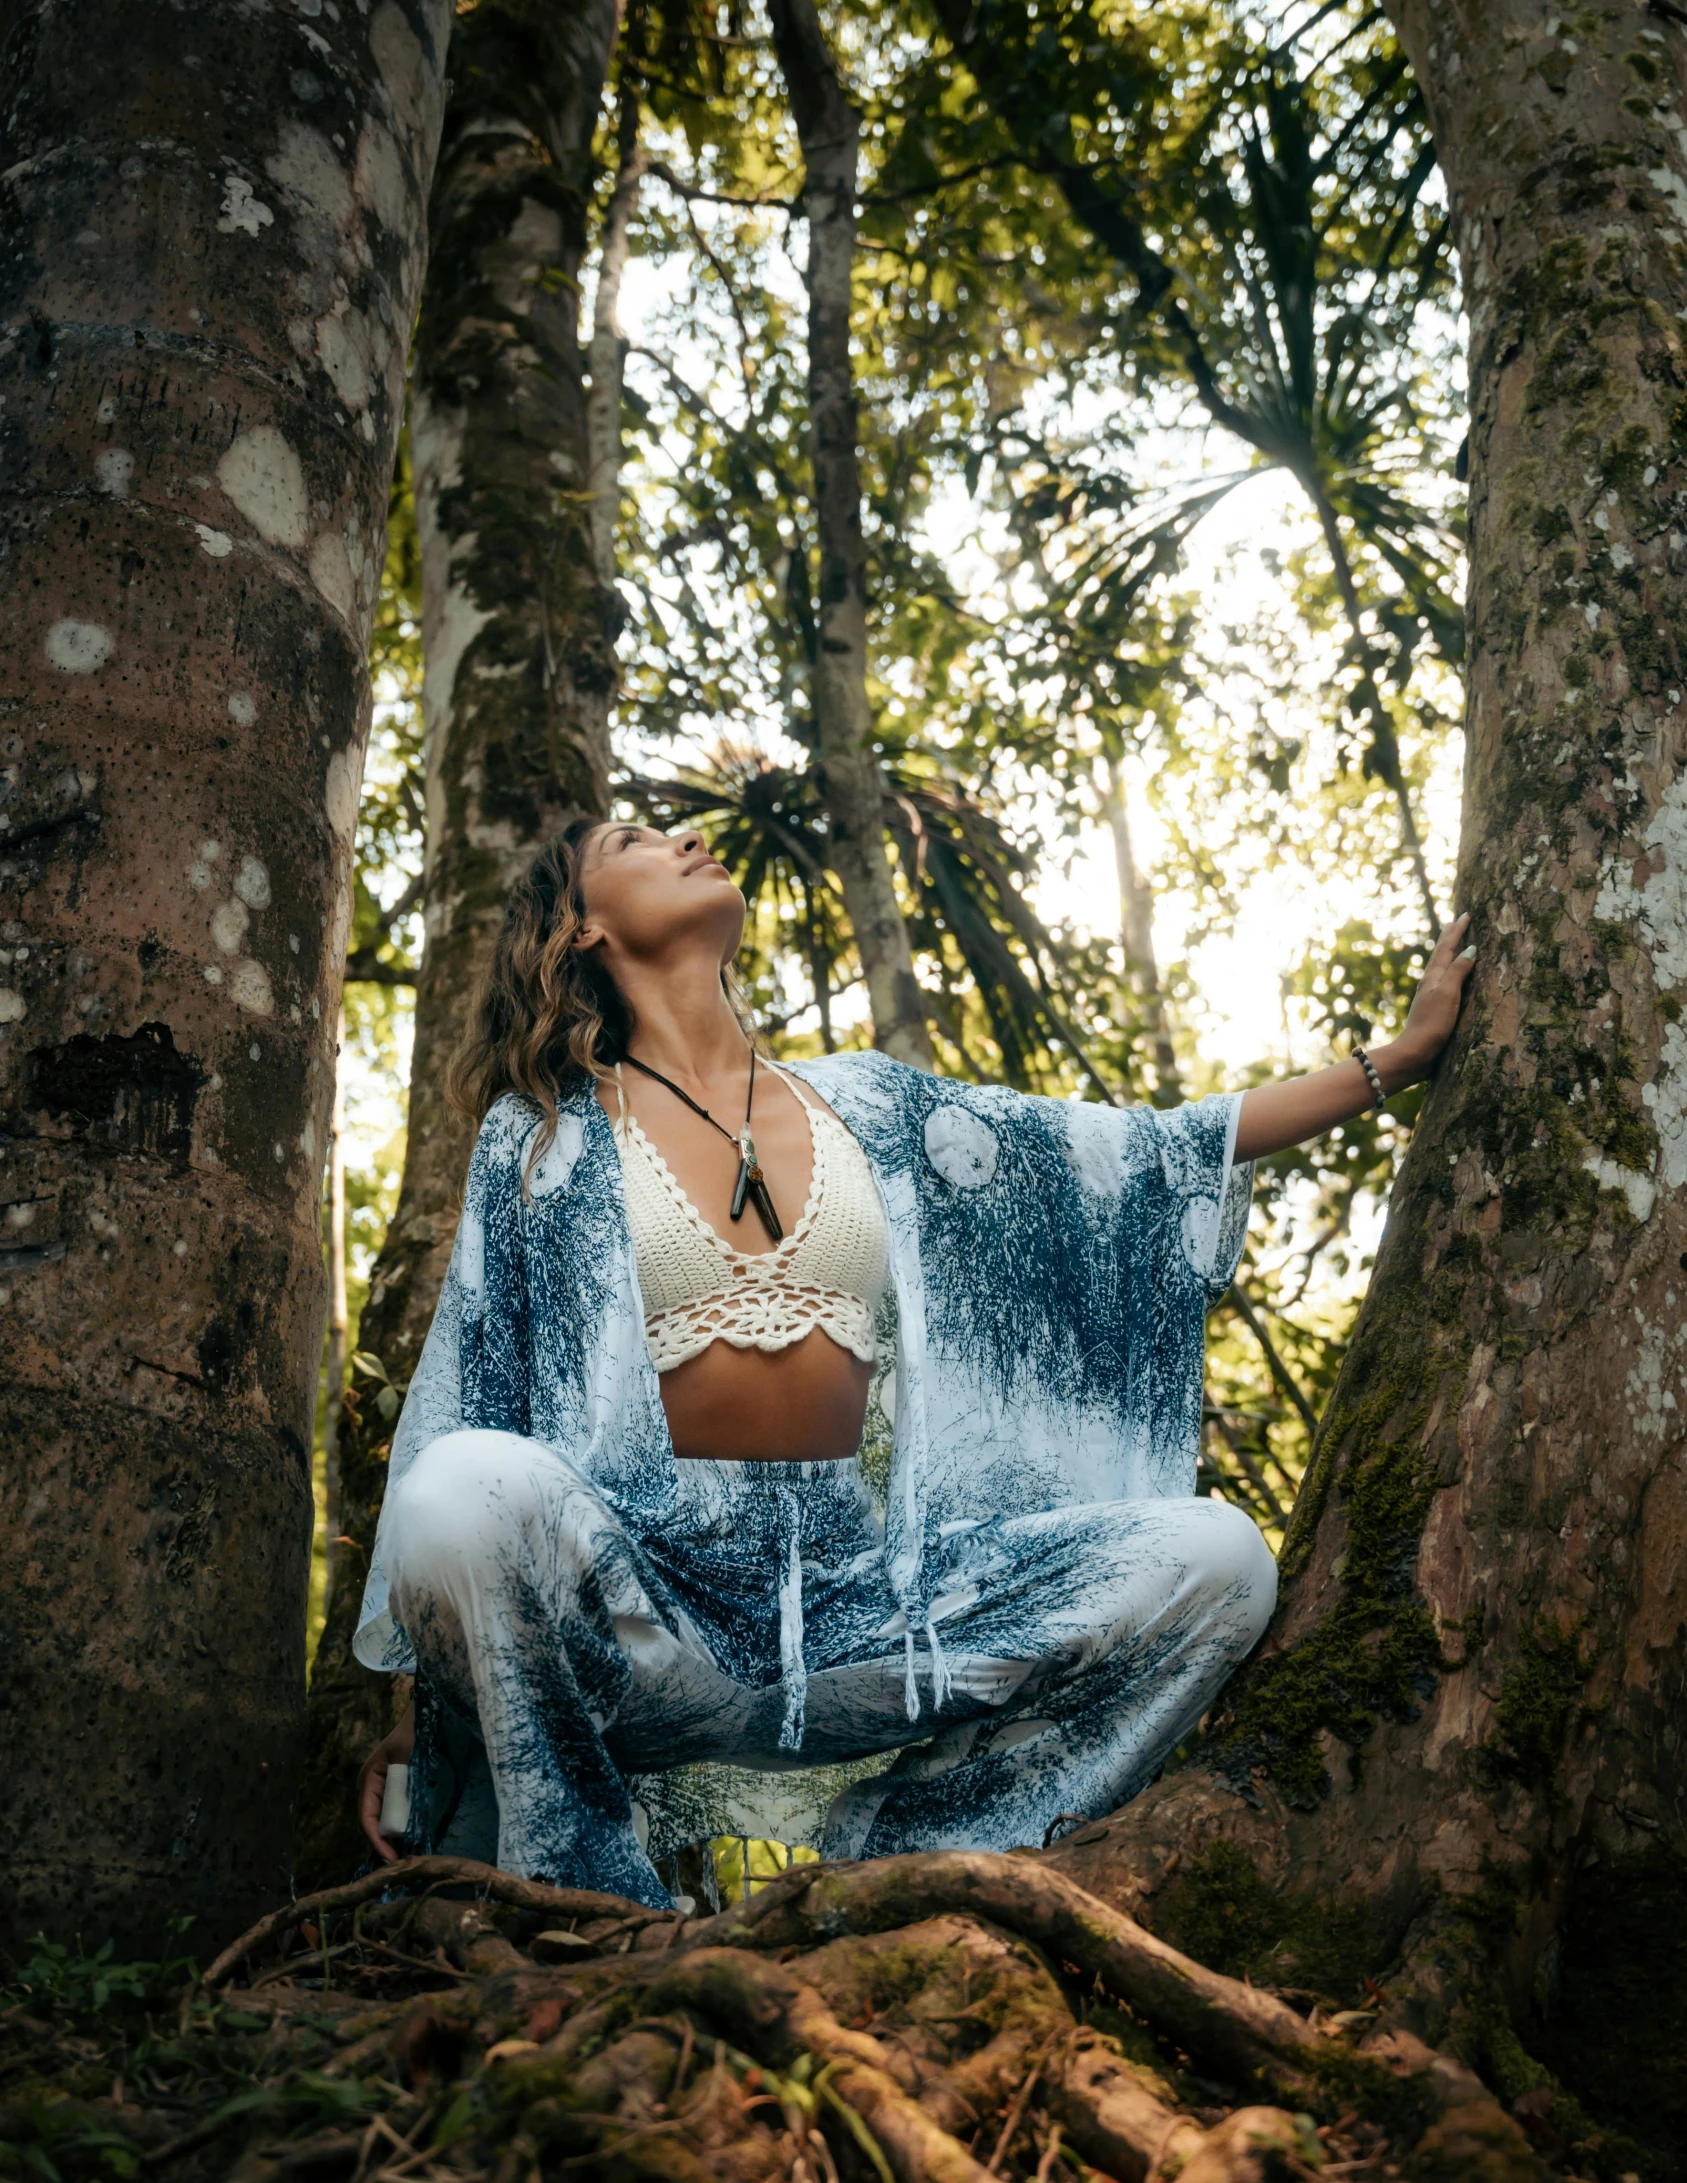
(1008, 1609)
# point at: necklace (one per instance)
(751, 1183)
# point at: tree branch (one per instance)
(693, 193)
(1238, 1298)
(364, 967)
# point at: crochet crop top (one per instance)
(829, 1272)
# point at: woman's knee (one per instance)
(463, 1493)
(1237, 1568)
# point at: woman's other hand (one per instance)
(1435, 1005)
(394, 1749)
(1275, 1116)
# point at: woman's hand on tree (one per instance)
(1435, 1005)
(1275, 1116)
(394, 1749)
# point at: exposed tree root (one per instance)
(1237, 2028)
(939, 2019)
(503, 1887)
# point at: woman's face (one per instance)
(648, 894)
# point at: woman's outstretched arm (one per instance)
(1275, 1116)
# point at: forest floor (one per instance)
(941, 2019)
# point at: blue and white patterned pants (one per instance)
(1077, 1647)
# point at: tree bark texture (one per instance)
(339, 1312)
(608, 352)
(518, 638)
(829, 131)
(1468, 1724)
(1136, 930)
(211, 244)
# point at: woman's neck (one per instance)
(684, 1023)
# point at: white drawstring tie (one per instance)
(793, 1665)
(941, 1681)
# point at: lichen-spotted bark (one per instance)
(518, 634)
(1472, 1698)
(211, 244)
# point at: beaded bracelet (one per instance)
(1379, 1098)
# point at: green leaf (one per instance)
(371, 1367)
(456, 2122)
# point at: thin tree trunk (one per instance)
(829, 130)
(820, 974)
(1136, 930)
(607, 356)
(518, 636)
(1466, 1726)
(338, 1316)
(1388, 748)
(213, 244)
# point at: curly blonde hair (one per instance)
(547, 1015)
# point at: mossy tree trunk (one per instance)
(518, 637)
(829, 130)
(213, 241)
(1467, 1725)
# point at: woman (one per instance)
(774, 1421)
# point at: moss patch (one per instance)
(1375, 1651)
(1537, 1699)
(1221, 1911)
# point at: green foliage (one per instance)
(1258, 211)
(387, 868)
(85, 2005)
(74, 1986)
(1002, 357)
(83, 2027)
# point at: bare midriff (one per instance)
(803, 1404)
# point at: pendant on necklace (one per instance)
(752, 1184)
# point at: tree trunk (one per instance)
(518, 637)
(213, 244)
(1366, 701)
(607, 355)
(339, 1317)
(1466, 1727)
(1136, 930)
(829, 130)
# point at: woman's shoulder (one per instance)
(528, 1157)
(507, 1125)
(506, 1134)
(513, 1116)
(859, 1086)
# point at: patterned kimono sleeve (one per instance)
(473, 1368)
(1212, 1189)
